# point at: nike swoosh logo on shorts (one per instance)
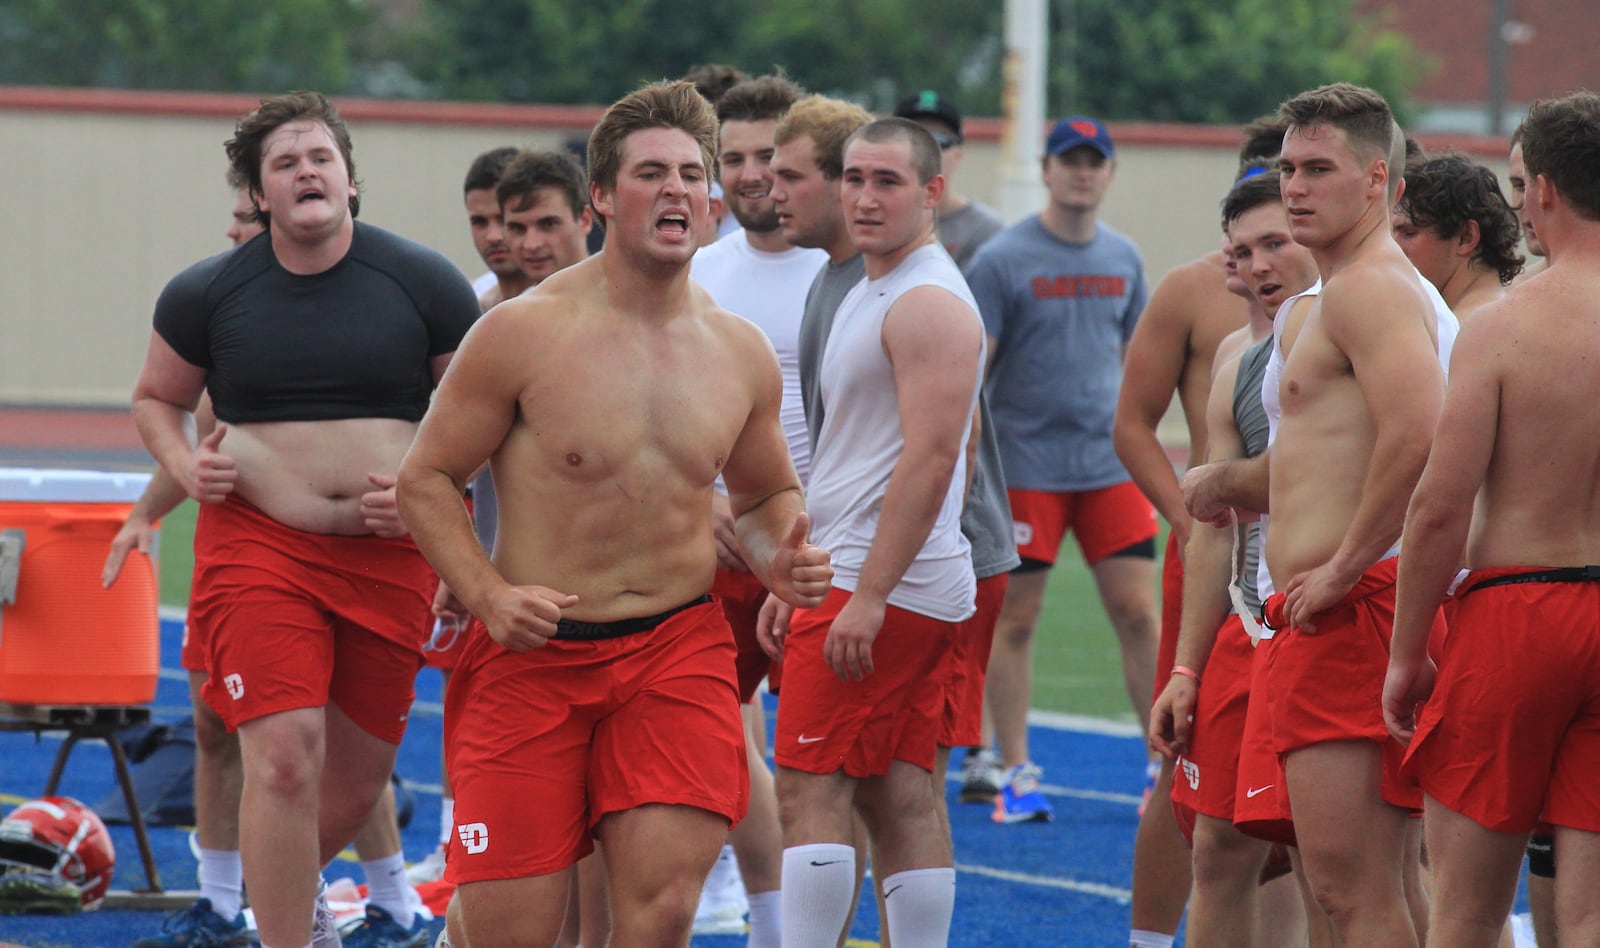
(810, 740)
(1254, 792)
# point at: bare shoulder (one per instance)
(1188, 292)
(1230, 349)
(1373, 289)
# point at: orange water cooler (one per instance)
(63, 639)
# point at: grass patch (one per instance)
(1077, 667)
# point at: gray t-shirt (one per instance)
(967, 228)
(986, 518)
(1059, 314)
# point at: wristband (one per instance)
(1186, 672)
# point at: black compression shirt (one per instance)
(354, 341)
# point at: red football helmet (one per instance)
(62, 838)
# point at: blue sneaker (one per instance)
(380, 930)
(1020, 800)
(199, 927)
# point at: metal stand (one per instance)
(100, 723)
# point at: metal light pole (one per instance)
(1022, 105)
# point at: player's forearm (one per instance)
(160, 497)
(1435, 536)
(761, 529)
(166, 430)
(431, 504)
(1246, 483)
(1207, 569)
(911, 505)
(1147, 462)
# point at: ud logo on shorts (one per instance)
(1023, 531)
(235, 686)
(474, 837)
(1191, 771)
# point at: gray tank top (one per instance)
(1250, 415)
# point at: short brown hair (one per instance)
(485, 171)
(713, 79)
(924, 150)
(828, 122)
(250, 135)
(1444, 193)
(759, 99)
(657, 105)
(1362, 114)
(1257, 190)
(1262, 138)
(530, 170)
(1561, 140)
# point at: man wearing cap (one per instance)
(1060, 294)
(964, 224)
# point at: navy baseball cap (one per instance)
(930, 104)
(1075, 130)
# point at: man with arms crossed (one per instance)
(601, 676)
(1359, 394)
(1508, 731)
(759, 275)
(319, 348)
(864, 674)
(1060, 294)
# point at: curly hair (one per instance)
(1444, 193)
(250, 136)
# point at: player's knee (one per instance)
(212, 739)
(1225, 857)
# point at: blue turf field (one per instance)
(1058, 884)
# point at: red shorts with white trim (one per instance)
(300, 620)
(1206, 778)
(1328, 686)
(826, 725)
(1261, 799)
(962, 723)
(1105, 521)
(541, 745)
(1513, 725)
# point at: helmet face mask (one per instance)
(62, 839)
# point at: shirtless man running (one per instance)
(600, 678)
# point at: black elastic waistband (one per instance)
(572, 630)
(1566, 574)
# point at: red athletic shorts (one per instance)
(1206, 779)
(1261, 798)
(742, 595)
(1329, 686)
(1514, 721)
(1105, 521)
(962, 723)
(825, 724)
(192, 655)
(1171, 613)
(541, 745)
(298, 620)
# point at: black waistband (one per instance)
(572, 630)
(1566, 574)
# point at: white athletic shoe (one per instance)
(324, 928)
(723, 903)
(428, 869)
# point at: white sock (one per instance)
(447, 820)
(818, 880)
(222, 880)
(1139, 938)
(919, 903)
(766, 929)
(388, 889)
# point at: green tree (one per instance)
(211, 45)
(1156, 60)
